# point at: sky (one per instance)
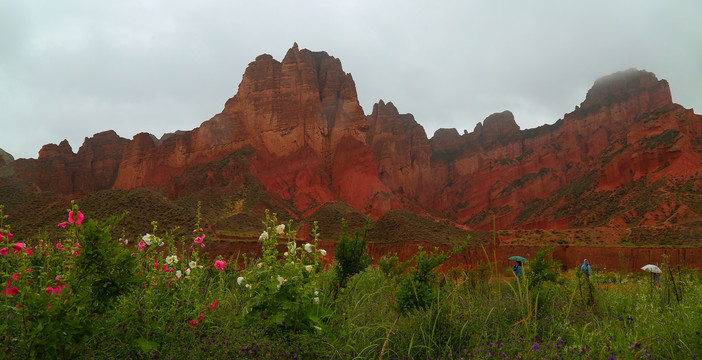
(70, 69)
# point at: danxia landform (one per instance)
(624, 167)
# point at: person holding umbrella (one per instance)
(517, 269)
(655, 273)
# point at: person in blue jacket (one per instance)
(586, 267)
(518, 269)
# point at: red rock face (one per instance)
(402, 151)
(624, 130)
(310, 143)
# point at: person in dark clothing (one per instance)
(518, 269)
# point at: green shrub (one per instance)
(351, 255)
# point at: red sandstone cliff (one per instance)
(295, 128)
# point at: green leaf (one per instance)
(146, 345)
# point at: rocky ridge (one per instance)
(296, 137)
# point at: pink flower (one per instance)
(17, 247)
(16, 276)
(141, 245)
(29, 270)
(214, 304)
(201, 315)
(78, 220)
(193, 323)
(3, 251)
(199, 239)
(62, 225)
(156, 265)
(165, 268)
(29, 252)
(10, 290)
(59, 246)
(9, 236)
(219, 264)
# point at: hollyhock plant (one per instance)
(141, 245)
(263, 236)
(75, 217)
(171, 259)
(10, 290)
(219, 264)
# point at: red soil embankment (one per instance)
(609, 258)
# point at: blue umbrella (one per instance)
(517, 258)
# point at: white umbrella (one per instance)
(652, 269)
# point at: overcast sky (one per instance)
(70, 69)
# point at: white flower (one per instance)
(317, 328)
(192, 264)
(280, 229)
(323, 252)
(179, 274)
(248, 286)
(292, 263)
(285, 253)
(161, 243)
(308, 268)
(281, 280)
(264, 236)
(292, 246)
(308, 247)
(187, 272)
(147, 238)
(316, 293)
(316, 300)
(239, 280)
(260, 265)
(172, 259)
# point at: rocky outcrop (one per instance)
(403, 153)
(296, 130)
(5, 157)
(302, 118)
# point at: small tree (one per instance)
(351, 255)
(543, 268)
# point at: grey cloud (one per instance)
(71, 69)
